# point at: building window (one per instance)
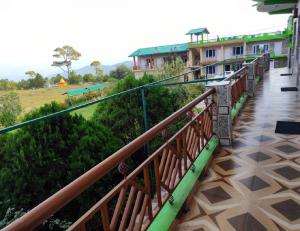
(260, 48)
(238, 50)
(237, 66)
(210, 53)
(210, 70)
(266, 48)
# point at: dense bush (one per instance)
(120, 72)
(10, 108)
(38, 160)
(74, 78)
(124, 114)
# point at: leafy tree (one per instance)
(105, 78)
(124, 114)
(10, 108)
(97, 66)
(172, 68)
(24, 84)
(6, 84)
(38, 81)
(55, 79)
(31, 74)
(89, 78)
(120, 72)
(36, 161)
(74, 78)
(66, 54)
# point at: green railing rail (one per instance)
(177, 156)
(140, 88)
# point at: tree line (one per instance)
(64, 57)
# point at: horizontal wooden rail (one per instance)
(238, 88)
(40, 213)
(170, 162)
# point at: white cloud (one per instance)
(110, 30)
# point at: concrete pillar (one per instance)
(222, 122)
(245, 49)
(250, 78)
(267, 62)
(190, 58)
(200, 55)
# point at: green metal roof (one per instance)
(198, 31)
(175, 48)
(80, 91)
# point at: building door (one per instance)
(227, 67)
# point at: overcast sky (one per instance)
(110, 30)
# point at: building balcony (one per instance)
(149, 67)
(207, 61)
(255, 182)
(251, 180)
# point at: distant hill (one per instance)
(106, 68)
(17, 72)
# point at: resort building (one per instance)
(214, 56)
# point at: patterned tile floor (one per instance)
(255, 185)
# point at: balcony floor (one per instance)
(256, 184)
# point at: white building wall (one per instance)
(228, 52)
(278, 48)
(158, 62)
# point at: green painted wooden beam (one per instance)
(273, 2)
(168, 213)
(285, 11)
(238, 106)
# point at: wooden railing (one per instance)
(135, 201)
(238, 88)
(238, 84)
(136, 206)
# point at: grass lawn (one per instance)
(86, 112)
(32, 99)
(35, 98)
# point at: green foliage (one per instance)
(65, 56)
(89, 78)
(6, 84)
(24, 84)
(120, 72)
(124, 114)
(97, 65)
(174, 67)
(38, 81)
(106, 78)
(57, 78)
(31, 74)
(51, 224)
(72, 101)
(38, 160)
(11, 215)
(74, 78)
(10, 108)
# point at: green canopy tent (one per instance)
(82, 91)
